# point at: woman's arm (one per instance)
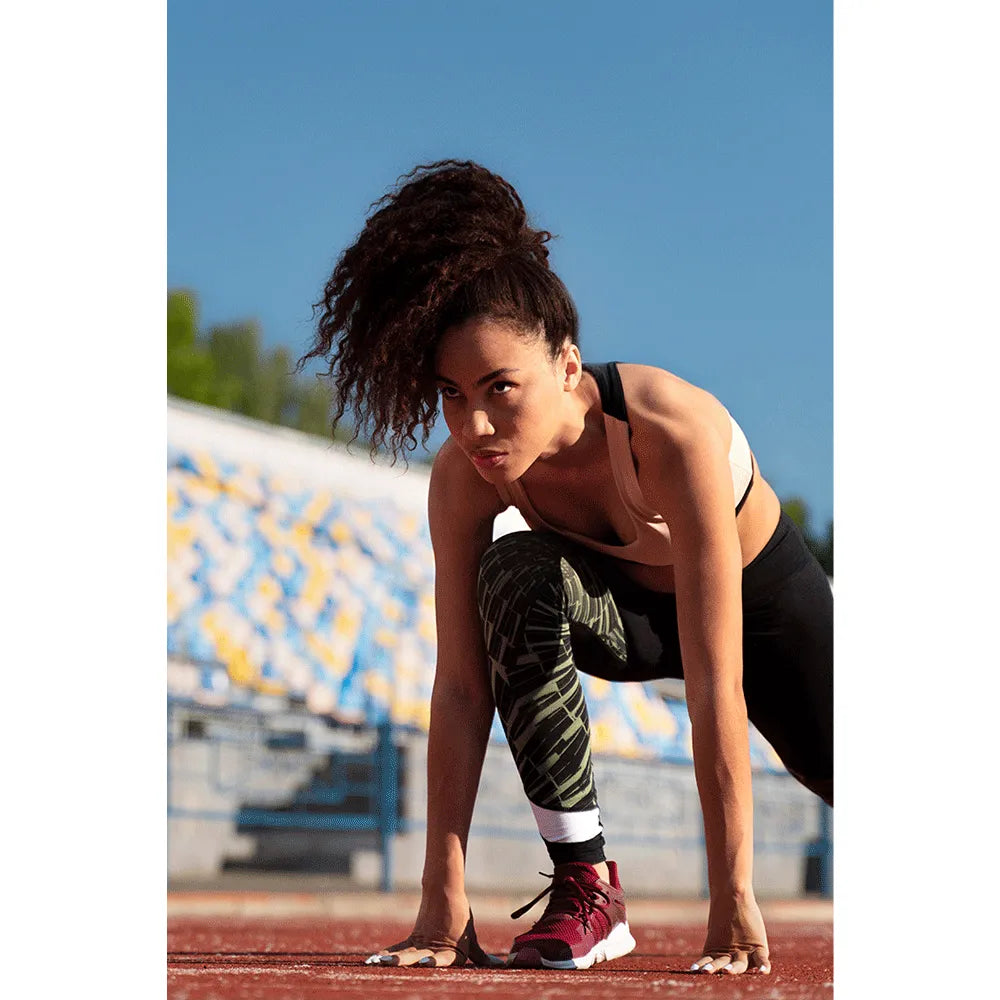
(685, 453)
(461, 509)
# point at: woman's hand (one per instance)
(443, 936)
(736, 940)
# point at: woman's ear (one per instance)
(571, 366)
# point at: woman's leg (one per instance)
(542, 607)
(787, 650)
(550, 608)
(788, 656)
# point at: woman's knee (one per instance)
(515, 569)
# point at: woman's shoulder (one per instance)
(660, 402)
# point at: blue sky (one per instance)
(682, 153)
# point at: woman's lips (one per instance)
(489, 460)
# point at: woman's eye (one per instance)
(497, 388)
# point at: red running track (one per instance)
(226, 956)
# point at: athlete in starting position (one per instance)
(657, 549)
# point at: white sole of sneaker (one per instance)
(618, 943)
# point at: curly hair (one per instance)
(450, 244)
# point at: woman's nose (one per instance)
(479, 424)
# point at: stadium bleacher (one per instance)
(318, 587)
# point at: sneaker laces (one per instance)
(569, 897)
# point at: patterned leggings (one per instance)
(550, 607)
(532, 597)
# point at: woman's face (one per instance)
(504, 399)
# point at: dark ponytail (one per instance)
(451, 243)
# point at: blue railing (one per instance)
(309, 808)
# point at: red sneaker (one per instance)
(583, 924)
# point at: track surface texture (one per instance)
(262, 947)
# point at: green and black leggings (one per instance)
(551, 607)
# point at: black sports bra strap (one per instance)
(609, 383)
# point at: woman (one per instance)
(657, 549)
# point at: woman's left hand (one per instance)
(736, 941)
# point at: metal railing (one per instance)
(316, 806)
(364, 766)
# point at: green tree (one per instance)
(228, 368)
(190, 369)
(820, 546)
(235, 351)
(798, 510)
(313, 410)
(272, 395)
(824, 550)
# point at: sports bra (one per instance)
(650, 544)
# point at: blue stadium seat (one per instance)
(298, 591)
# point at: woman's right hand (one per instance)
(443, 936)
